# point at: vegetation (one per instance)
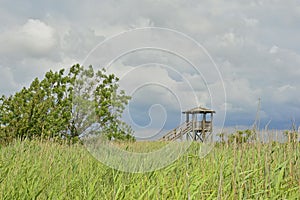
(242, 136)
(250, 136)
(43, 169)
(64, 105)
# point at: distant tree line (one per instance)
(250, 136)
(64, 105)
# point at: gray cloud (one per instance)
(255, 45)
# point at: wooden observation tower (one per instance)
(198, 124)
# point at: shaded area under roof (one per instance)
(199, 110)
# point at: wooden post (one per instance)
(193, 127)
(211, 122)
(203, 126)
(187, 121)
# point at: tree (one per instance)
(291, 135)
(40, 110)
(240, 136)
(222, 137)
(96, 100)
(65, 105)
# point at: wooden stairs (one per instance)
(178, 132)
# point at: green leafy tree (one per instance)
(240, 136)
(41, 110)
(65, 105)
(97, 100)
(222, 137)
(291, 135)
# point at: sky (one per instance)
(220, 54)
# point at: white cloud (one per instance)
(231, 39)
(240, 36)
(286, 88)
(7, 81)
(251, 22)
(34, 38)
(274, 49)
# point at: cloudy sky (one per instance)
(246, 50)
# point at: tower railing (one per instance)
(178, 132)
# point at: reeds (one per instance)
(47, 170)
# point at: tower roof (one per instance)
(199, 110)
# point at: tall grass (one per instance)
(47, 170)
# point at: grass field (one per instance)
(47, 170)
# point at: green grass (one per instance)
(47, 170)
